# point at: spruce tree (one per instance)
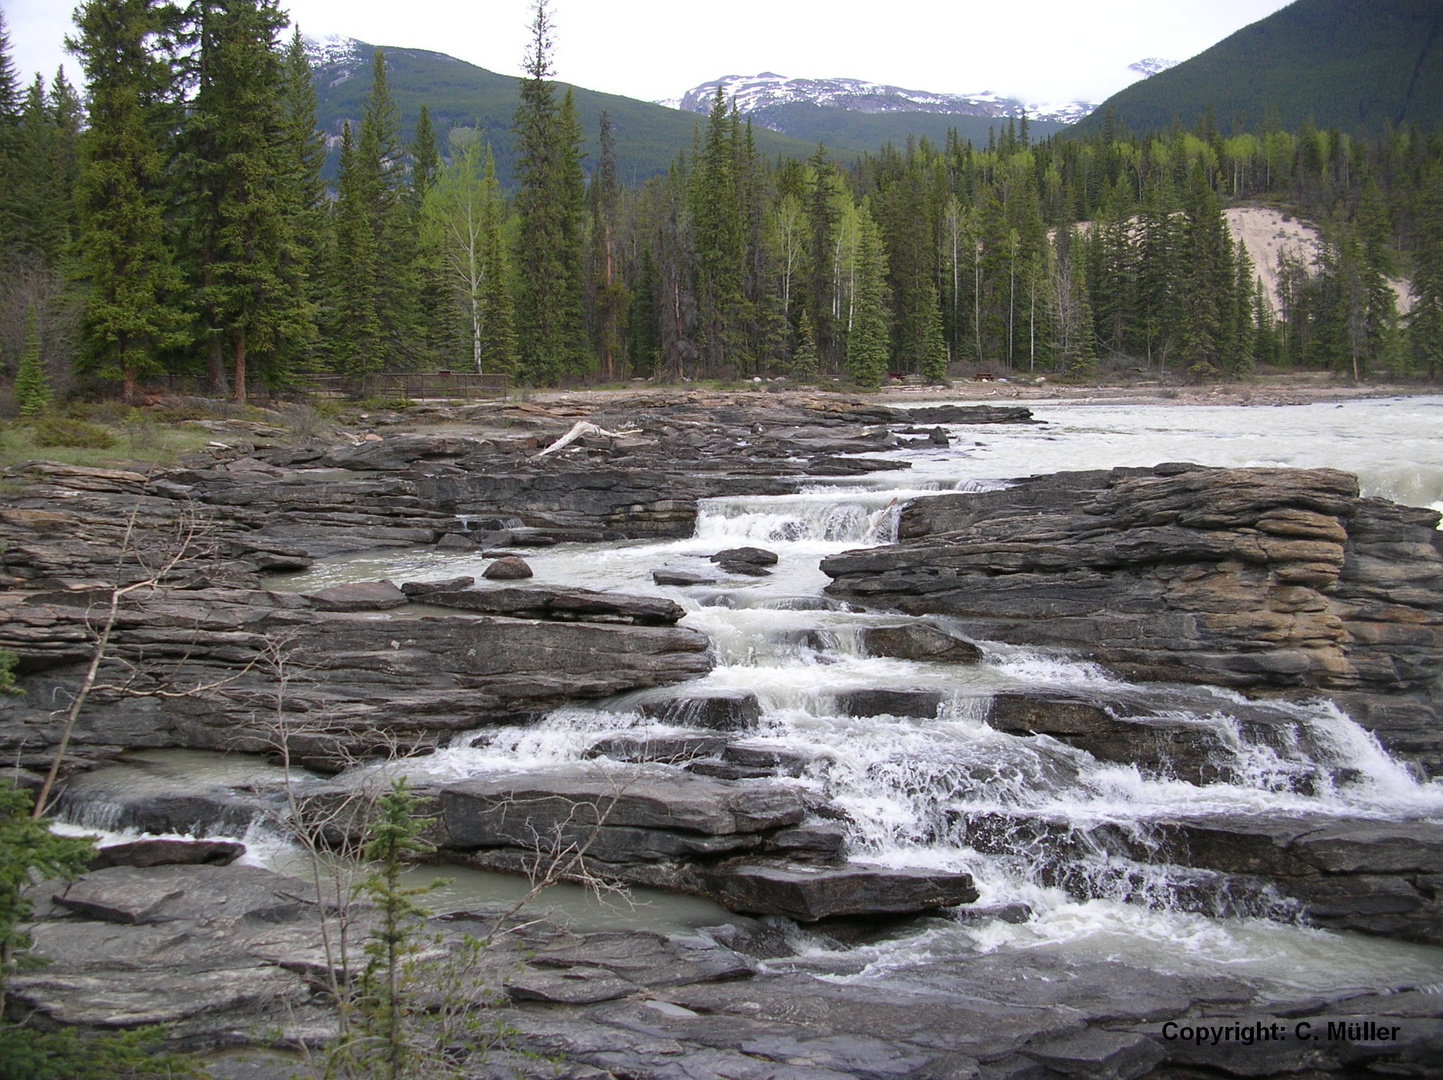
(10, 112)
(438, 323)
(720, 242)
(498, 327)
(549, 204)
(32, 385)
(355, 329)
(301, 155)
(1425, 320)
(869, 341)
(126, 266)
(252, 283)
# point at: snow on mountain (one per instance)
(1151, 65)
(754, 94)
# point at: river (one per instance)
(915, 790)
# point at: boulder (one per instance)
(919, 704)
(681, 577)
(507, 568)
(146, 853)
(754, 556)
(416, 589)
(918, 641)
(727, 710)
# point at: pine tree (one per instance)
(643, 345)
(126, 263)
(606, 288)
(439, 325)
(720, 244)
(10, 113)
(32, 385)
(252, 284)
(549, 204)
(806, 363)
(498, 327)
(869, 341)
(301, 156)
(1425, 320)
(356, 327)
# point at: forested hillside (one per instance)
(1355, 65)
(185, 229)
(466, 98)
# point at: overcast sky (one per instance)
(1037, 50)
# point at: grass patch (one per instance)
(67, 441)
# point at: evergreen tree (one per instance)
(393, 226)
(498, 326)
(869, 341)
(606, 288)
(642, 341)
(806, 362)
(126, 262)
(301, 156)
(720, 240)
(549, 204)
(439, 327)
(252, 284)
(10, 112)
(356, 327)
(32, 385)
(1425, 320)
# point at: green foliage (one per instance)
(549, 207)
(869, 341)
(32, 385)
(27, 1054)
(64, 431)
(127, 259)
(8, 662)
(28, 847)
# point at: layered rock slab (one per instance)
(1260, 579)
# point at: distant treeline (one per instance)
(177, 223)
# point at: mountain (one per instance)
(463, 96)
(1356, 65)
(852, 115)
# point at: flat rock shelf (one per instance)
(960, 773)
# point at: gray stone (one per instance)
(726, 710)
(810, 893)
(563, 604)
(145, 853)
(359, 596)
(754, 556)
(507, 568)
(919, 704)
(918, 641)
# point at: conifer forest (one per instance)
(168, 215)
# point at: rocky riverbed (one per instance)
(1280, 584)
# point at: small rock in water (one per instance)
(918, 704)
(918, 641)
(745, 569)
(456, 542)
(754, 555)
(681, 577)
(735, 710)
(508, 568)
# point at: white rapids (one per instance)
(913, 789)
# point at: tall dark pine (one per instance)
(549, 204)
(607, 291)
(125, 257)
(250, 272)
(10, 109)
(302, 154)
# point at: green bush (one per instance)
(63, 431)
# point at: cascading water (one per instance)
(1028, 816)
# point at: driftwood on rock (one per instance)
(578, 429)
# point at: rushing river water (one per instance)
(914, 790)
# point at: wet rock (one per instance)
(919, 704)
(507, 568)
(359, 596)
(733, 710)
(670, 751)
(572, 986)
(514, 810)
(147, 853)
(132, 895)
(918, 641)
(767, 759)
(1251, 578)
(754, 556)
(681, 577)
(456, 542)
(563, 604)
(1098, 1054)
(416, 589)
(810, 893)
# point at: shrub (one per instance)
(63, 431)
